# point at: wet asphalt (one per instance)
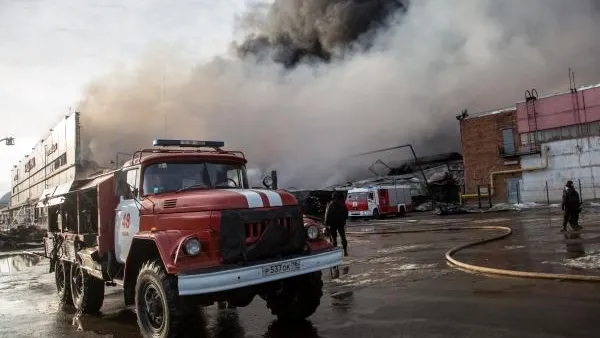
(394, 285)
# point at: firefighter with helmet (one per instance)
(571, 206)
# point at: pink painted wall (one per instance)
(559, 110)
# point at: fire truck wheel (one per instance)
(87, 290)
(376, 214)
(160, 312)
(298, 299)
(61, 276)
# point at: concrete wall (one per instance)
(481, 136)
(576, 160)
(560, 110)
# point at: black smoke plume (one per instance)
(295, 31)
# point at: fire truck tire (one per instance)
(160, 312)
(87, 290)
(62, 274)
(298, 299)
(376, 214)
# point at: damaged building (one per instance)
(439, 178)
(527, 152)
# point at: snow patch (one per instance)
(585, 262)
(513, 247)
(403, 248)
(386, 259)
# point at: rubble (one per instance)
(444, 173)
(22, 236)
(444, 209)
(427, 206)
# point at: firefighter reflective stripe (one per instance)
(252, 197)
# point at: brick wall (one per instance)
(481, 136)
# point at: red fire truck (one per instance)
(177, 227)
(377, 201)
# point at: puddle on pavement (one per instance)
(10, 264)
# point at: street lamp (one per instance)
(10, 141)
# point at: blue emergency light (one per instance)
(187, 143)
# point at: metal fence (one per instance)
(550, 192)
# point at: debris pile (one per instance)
(22, 236)
(443, 173)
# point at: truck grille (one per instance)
(250, 235)
(255, 230)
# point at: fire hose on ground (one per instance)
(477, 268)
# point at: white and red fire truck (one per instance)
(178, 227)
(377, 201)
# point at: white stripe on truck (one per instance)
(253, 198)
(274, 197)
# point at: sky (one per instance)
(50, 51)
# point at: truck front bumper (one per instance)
(203, 283)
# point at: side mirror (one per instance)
(121, 188)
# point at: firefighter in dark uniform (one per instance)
(571, 206)
(336, 215)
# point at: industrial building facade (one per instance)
(527, 152)
(48, 171)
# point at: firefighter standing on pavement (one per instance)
(336, 215)
(571, 206)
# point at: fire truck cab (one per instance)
(377, 201)
(178, 227)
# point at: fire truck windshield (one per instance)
(179, 176)
(357, 196)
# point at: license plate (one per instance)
(277, 268)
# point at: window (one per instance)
(594, 129)
(371, 196)
(525, 139)
(508, 141)
(357, 196)
(167, 177)
(132, 178)
(60, 161)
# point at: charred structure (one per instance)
(441, 179)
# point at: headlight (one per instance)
(192, 247)
(312, 232)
